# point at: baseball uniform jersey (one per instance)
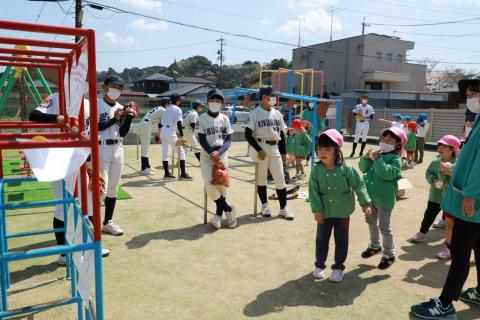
(145, 128)
(267, 126)
(215, 130)
(168, 133)
(191, 117)
(362, 126)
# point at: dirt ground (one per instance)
(169, 265)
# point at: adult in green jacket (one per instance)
(462, 200)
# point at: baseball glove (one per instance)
(220, 175)
(360, 116)
(181, 143)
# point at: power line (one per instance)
(429, 8)
(159, 49)
(115, 9)
(438, 35)
(246, 36)
(424, 24)
(40, 13)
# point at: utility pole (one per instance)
(221, 58)
(78, 16)
(331, 24)
(299, 31)
(364, 25)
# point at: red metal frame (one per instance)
(67, 138)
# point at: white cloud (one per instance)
(145, 4)
(311, 22)
(143, 25)
(309, 4)
(112, 38)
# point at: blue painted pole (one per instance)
(68, 257)
(98, 280)
(3, 263)
(339, 114)
(36, 204)
(291, 87)
(43, 252)
(314, 131)
(34, 233)
(37, 308)
(235, 103)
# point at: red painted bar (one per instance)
(28, 65)
(38, 43)
(42, 28)
(38, 60)
(44, 144)
(34, 52)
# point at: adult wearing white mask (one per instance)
(363, 112)
(113, 124)
(215, 137)
(461, 200)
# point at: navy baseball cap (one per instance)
(267, 91)
(215, 93)
(114, 79)
(196, 104)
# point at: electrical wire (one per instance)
(158, 49)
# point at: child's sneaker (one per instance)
(440, 224)
(419, 237)
(336, 276)
(112, 228)
(386, 262)
(266, 212)
(471, 296)
(62, 260)
(295, 177)
(287, 214)
(433, 310)
(411, 165)
(370, 252)
(319, 273)
(301, 176)
(444, 254)
(231, 220)
(216, 221)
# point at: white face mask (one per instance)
(273, 101)
(386, 148)
(310, 105)
(473, 104)
(467, 130)
(214, 107)
(364, 101)
(113, 93)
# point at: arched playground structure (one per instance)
(83, 246)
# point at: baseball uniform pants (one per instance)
(272, 162)
(206, 165)
(171, 140)
(145, 134)
(192, 140)
(111, 166)
(361, 131)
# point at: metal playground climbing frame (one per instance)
(84, 255)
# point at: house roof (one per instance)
(187, 79)
(127, 92)
(185, 89)
(158, 77)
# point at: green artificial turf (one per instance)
(33, 190)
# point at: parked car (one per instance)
(241, 113)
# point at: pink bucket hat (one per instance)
(398, 132)
(451, 141)
(335, 136)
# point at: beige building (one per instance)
(370, 62)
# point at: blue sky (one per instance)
(276, 20)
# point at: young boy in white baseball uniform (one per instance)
(172, 135)
(264, 132)
(189, 121)
(113, 124)
(49, 112)
(153, 117)
(363, 112)
(215, 136)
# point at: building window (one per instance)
(400, 58)
(389, 57)
(309, 59)
(379, 56)
(320, 64)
